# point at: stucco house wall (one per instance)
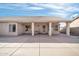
(20, 28)
(75, 23)
(75, 27)
(4, 29)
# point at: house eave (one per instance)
(33, 19)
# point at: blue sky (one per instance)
(65, 10)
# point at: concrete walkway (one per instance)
(39, 45)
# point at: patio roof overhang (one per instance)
(33, 19)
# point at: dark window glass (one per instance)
(44, 28)
(14, 28)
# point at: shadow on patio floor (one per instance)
(60, 38)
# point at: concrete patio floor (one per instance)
(39, 45)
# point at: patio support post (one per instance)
(50, 28)
(67, 28)
(32, 28)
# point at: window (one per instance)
(44, 28)
(12, 27)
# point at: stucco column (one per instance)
(67, 28)
(32, 28)
(50, 28)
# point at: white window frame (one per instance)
(11, 28)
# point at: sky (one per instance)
(64, 10)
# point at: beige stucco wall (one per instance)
(75, 23)
(20, 28)
(4, 29)
(75, 27)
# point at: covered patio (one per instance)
(36, 28)
(33, 25)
